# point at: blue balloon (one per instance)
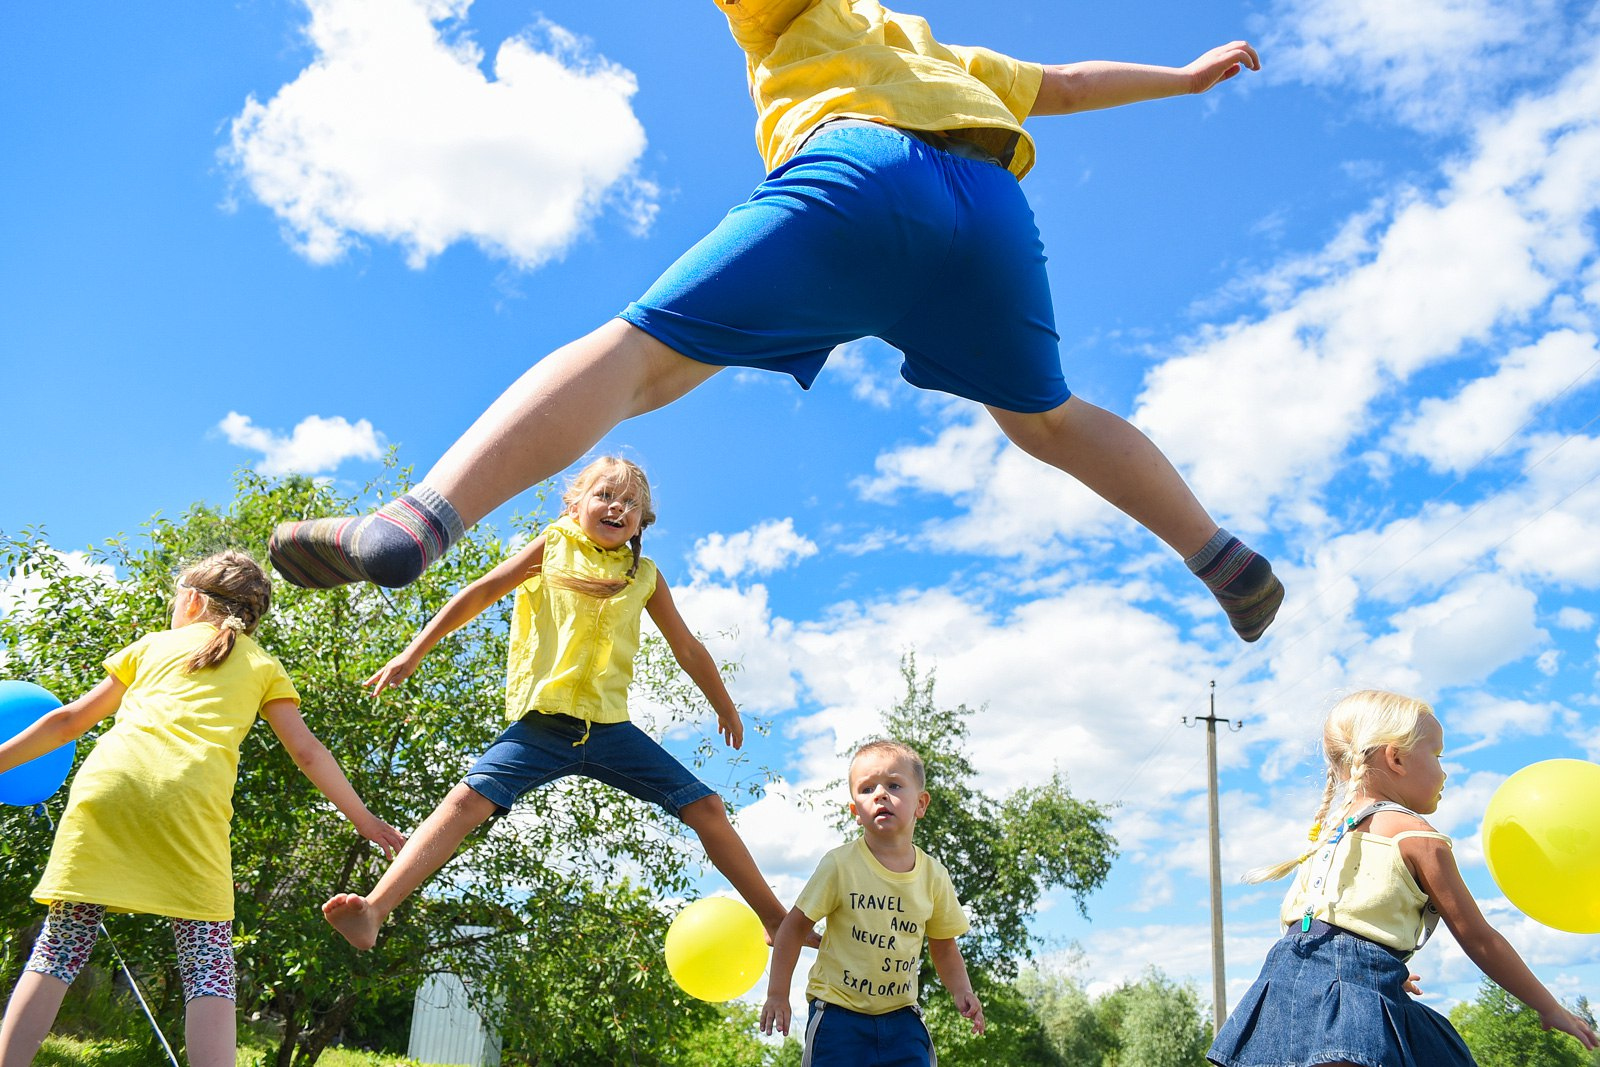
(21, 705)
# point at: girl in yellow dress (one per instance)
(147, 818)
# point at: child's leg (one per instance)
(709, 819)
(205, 963)
(60, 952)
(211, 1029)
(29, 1015)
(1112, 457)
(547, 419)
(358, 918)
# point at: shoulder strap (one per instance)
(1377, 806)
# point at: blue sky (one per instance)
(1355, 297)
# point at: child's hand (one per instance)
(775, 1013)
(967, 1004)
(1220, 64)
(731, 727)
(391, 674)
(1568, 1023)
(1413, 985)
(381, 834)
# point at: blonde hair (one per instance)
(236, 595)
(1357, 727)
(630, 478)
(898, 750)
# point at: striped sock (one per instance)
(391, 547)
(1241, 580)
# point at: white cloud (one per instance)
(1431, 62)
(771, 546)
(1428, 278)
(864, 364)
(394, 132)
(1571, 618)
(314, 446)
(1457, 433)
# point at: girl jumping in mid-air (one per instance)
(1365, 897)
(146, 823)
(892, 209)
(582, 586)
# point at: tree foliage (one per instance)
(1151, 1022)
(567, 884)
(1501, 1031)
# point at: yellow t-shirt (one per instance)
(877, 919)
(146, 825)
(571, 653)
(1362, 884)
(812, 60)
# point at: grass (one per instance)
(117, 1052)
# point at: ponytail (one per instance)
(237, 595)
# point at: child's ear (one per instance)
(923, 800)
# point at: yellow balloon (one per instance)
(716, 949)
(1541, 836)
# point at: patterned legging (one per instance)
(205, 949)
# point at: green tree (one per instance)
(1501, 1031)
(1065, 1012)
(570, 938)
(1153, 1022)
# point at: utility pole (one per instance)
(1219, 991)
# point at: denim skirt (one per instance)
(1328, 996)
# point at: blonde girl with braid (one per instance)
(1365, 897)
(148, 815)
(581, 589)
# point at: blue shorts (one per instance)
(870, 231)
(839, 1037)
(540, 748)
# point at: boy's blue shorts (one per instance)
(839, 1037)
(870, 231)
(539, 748)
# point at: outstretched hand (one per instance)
(1220, 64)
(1568, 1023)
(382, 834)
(391, 674)
(731, 727)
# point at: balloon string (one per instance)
(40, 812)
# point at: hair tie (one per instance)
(233, 622)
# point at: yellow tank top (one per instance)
(1361, 884)
(571, 653)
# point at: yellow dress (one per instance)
(148, 814)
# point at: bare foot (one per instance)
(354, 918)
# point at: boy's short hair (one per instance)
(897, 749)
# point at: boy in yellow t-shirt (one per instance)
(881, 896)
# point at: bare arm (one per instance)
(946, 956)
(58, 726)
(465, 606)
(1097, 84)
(318, 764)
(1435, 868)
(696, 661)
(792, 934)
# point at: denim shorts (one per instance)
(869, 231)
(839, 1037)
(540, 748)
(1329, 996)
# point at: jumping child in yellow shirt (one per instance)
(892, 209)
